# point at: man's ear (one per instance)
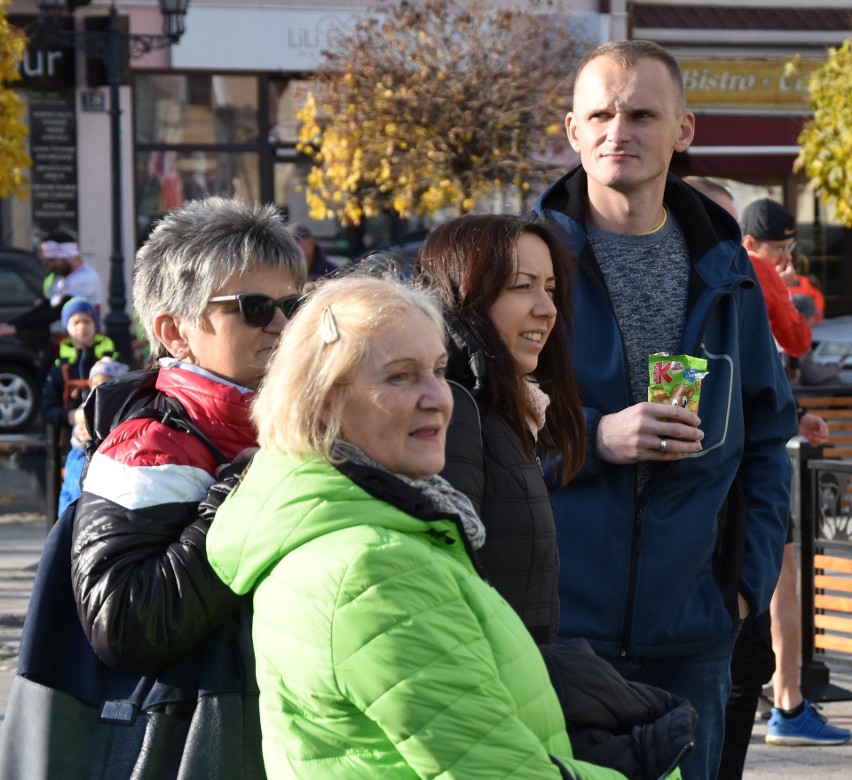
(170, 334)
(750, 243)
(571, 131)
(686, 132)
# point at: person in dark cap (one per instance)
(767, 220)
(769, 237)
(318, 264)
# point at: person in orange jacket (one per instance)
(769, 236)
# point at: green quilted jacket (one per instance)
(381, 652)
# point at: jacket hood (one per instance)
(466, 364)
(282, 503)
(707, 227)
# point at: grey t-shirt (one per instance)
(648, 279)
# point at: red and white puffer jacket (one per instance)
(144, 590)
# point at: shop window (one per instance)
(286, 99)
(197, 134)
(195, 109)
(165, 179)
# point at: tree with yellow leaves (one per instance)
(826, 141)
(433, 104)
(13, 132)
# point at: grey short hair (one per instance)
(196, 248)
(319, 352)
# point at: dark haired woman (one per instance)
(503, 281)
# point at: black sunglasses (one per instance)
(258, 310)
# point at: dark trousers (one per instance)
(704, 679)
(752, 666)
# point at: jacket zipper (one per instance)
(682, 753)
(636, 542)
(636, 548)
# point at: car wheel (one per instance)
(17, 399)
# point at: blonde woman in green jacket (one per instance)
(381, 652)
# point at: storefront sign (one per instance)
(53, 149)
(284, 39)
(46, 65)
(746, 83)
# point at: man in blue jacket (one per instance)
(673, 531)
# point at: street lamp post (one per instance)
(108, 46)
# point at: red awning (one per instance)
(737, 144)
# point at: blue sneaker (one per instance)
(809, 728)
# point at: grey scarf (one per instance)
(440, 492)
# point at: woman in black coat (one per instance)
(505, 283)
(505, 286)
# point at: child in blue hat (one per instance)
(67, 381)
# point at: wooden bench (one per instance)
(835, 407)
(833, 602)
(826, 574)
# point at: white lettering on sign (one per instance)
(797, 84)
(704, 81)
(37, 64)
(302, 37)
(769, 82)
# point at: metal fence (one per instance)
(825, 525)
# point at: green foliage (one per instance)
(826, 141)
(433, 104)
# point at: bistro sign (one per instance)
(746, 83)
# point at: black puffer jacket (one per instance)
(486, 461)
(148, 600)
(642, 731)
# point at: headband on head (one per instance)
(53, 250)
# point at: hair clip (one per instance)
(330, 333)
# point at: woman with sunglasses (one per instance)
(214, 286)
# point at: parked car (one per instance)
(832, 344)
(21, 280)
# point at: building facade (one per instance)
(750, 106)
(216, 113)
